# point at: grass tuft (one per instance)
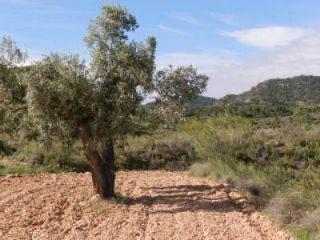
(288, 208)
(200, 169)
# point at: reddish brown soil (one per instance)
(158, 205)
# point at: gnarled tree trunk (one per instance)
(102, 165)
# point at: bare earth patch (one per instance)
(158, 205)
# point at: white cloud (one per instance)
(209, 64)
(202, 61)
(187, 19)
(269, 37)
(300, 57)
(225, 18)
(172, 30)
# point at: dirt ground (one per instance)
(156, 205)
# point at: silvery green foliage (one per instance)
(10, 54)
(63, 92)
(10, 81)
(174, 88)
(169, 113)
(12, 88)
(122, 69)
(60, 94)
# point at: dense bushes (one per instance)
(237, 139)
(273, 161)
(30, 158)
(151, 153)
(5, 149)
(246, 110)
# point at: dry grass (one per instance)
(256, 191)
(171, 152)
(312, 220)
(201, 169)
(288, 208)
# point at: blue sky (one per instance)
(238, 43)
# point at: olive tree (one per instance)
(12, 88)
(96, 103)
(175, 87)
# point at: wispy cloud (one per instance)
(268, 37)
(207, 63)
(224, 18)
(173, 30)
(186, 18)
(231, 75)
(203, 61)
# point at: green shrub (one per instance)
(5, 149)
(54, 159)
(304, 234)
(273, 161)
(23, 170)
(165, 153)
(39, 159)
(66, 161)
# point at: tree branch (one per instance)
(19, 109)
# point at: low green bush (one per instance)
(69, 162)
(273, 161)
(5, 149)
(29, 157)
(170, 153)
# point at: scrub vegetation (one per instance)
(61, 114)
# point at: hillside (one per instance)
(300, 89)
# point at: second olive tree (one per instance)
(175, 87)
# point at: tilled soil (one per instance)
(157, 205)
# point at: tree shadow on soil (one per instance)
(188, 198)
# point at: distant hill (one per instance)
(295, 90)
(198, 102)
(201, 102)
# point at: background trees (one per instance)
(12, 86)
(176, 87)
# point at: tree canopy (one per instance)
(68, 98)
(12, 86)
(64, 97)
(174, 88)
